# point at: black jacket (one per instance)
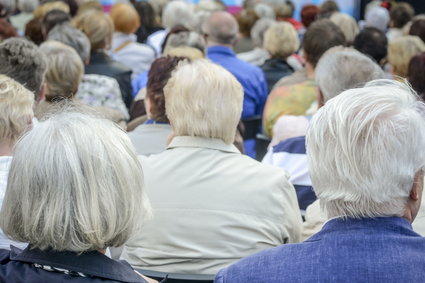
(102, 64)
(274, 69)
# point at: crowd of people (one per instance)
(165, 140)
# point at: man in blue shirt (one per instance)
(221, 32)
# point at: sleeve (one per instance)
(219, 278)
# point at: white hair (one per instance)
(177, 13)
(27, 6)
(347, 24)
(364, 148)
(75, 184)
(340, 69)
(259, 29)
(264, 11)
(205, 100)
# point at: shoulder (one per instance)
(291, 145)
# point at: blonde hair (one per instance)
(15, 109)
(42, 10)
(184, 51)
(401, 50)
(203, 99)
(281, 40)
(97, 26)
(75, 184)
(64, 70)
(348, 26)
(125, 18)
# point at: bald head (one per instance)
(221, 29)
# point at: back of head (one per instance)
(43, 9)
(401, 50)
(203, 100)
(22, 61)
(372, 42)
(189, 39)
(285, 9)
(281, 40)
(53, 18)
(177, 13)
(364, 148)
(418, 28)
(416, 74)
(159, 74)
(327, 8)
(377, 17)
(34, 31)
(340, 69)
(348, 26)
(259, 29)
(309, 14)
(264, 11)
(146, 14)
(75, 184)
(221, 28)
(400, 14)
(246, 20)
(125, 18)
(27, 6)
(64, 72)
(319, 37)
(15, 109)
(97, 26)
(72, 37)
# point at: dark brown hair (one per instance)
(308, 14)
(416, 74)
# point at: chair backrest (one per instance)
(177, 277)
(261, 145)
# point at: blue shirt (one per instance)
(249, 76)
(139, 82)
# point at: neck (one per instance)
(6, 148)
(310, 70)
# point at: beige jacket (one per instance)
(211, 206)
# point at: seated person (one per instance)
(70, 205)
(366, 160)
(212, 204)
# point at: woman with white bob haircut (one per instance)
(75, 188)
(364, 161)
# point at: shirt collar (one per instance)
(220, 49)
(90, 263)
(187, 141)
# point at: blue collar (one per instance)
(152, 121)
(220, 50)
(92, 263)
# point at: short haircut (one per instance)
(340, 69)
(264, 11)
(319, 37)
(53, 18)
(72, 37)
(159, 74)
(75, 184)
(401, 50)
(185, 38)
(418, 28)
(327, 8)
(377, 17)
(364, 148)
(285, 9)
(64, 72)
(348, 26)
(373, 43)
(416, 74)
(15, 109)
(203, 99)
(221, 27)
(125, 18)
(246, 20)
(22, 61)
(309, 14)
(34, 31)
(27, 6)
(43, 9)
(281, 40)
(97, 26)
(177, 13)
(259, 29)
(401, 14)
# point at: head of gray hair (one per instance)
(72, 37)
(259, 29)
(27, 6)
(341, 68)
(264, 11)
(75, 184)
(190, 39)
(177, 13)
(221, 28)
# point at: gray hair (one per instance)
(75, 184)
(340, 69)
(177, 13)
(190, 39)
(264, 11)
(27, 6)
(259, 29)
(221, 27)
(364, 148)
(22, 61)
(72, 37)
